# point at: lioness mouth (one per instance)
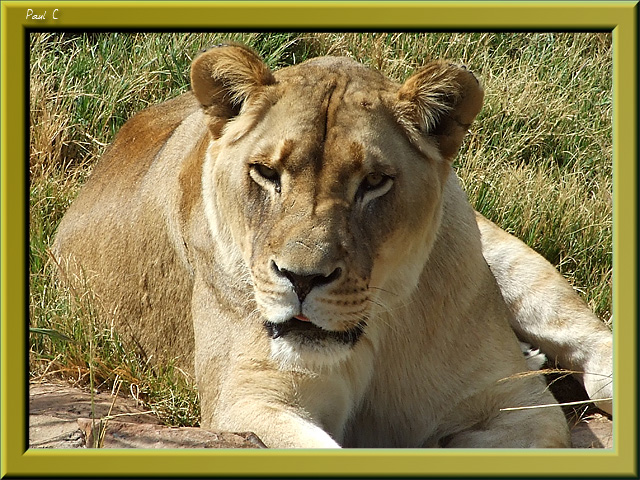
(310, 332)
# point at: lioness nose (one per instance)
(303, 284)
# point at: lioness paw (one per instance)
(534, 357)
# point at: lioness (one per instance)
(299, 239)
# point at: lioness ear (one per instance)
(223, 77)
(440, 100)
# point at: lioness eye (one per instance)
(374, 180)
(266, 173)
(376, 183)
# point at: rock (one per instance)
(594, 431)
(116, 434)
(54, 408)
(60, 417)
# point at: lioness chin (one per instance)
(300, 241)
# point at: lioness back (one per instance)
(114, 236)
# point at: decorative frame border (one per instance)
(621, 18)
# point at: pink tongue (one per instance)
(302, 318)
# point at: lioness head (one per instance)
(324, 182)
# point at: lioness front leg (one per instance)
(516, 411)
(278, 426)
(242, 390)
(257, 398)
(508, 431)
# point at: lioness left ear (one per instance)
(440, 101)
(223, 77)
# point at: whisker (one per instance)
(383, 290)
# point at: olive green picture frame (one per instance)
(620, 18)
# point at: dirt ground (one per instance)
(60, 416)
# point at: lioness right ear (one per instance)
(440, 101)
(223, 77)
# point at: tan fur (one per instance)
(548, 313)
(322, 191)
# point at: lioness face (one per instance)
(329, 201)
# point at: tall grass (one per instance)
(537, 161)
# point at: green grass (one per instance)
(537, 161)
